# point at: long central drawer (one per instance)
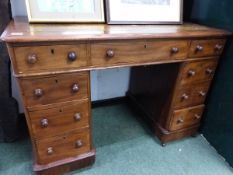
(125, 52)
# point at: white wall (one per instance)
(105, 84)
(18, 8)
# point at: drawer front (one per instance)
(186, 117)
(62, 147)
(202, 48)
(198, 71)
(54, 121)
(54, 89)
(41, 58)
(115, 53)
(192, 95)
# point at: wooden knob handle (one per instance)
(180, 120)
(78, 144)
(44, 123)
(38, 92)
(77, 117)
(110, 53)
(72, 56)
(218, 47)
(199, 48)
(174, 50)
(203, 94)
(32, 58)
(185, 97)
(50, 151)
(209, 71)
(75, 88)
(191, 73)
(197, 116)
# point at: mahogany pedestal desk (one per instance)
(172, 69)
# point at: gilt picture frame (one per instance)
(144, 11)
(65, 11)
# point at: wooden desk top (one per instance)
(19, 30)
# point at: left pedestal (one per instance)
(57, 109)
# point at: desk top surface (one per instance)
(19, 30)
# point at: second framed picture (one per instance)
(144, 11)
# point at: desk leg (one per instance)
(152, 90)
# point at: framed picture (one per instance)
(144, 11)
(80, 11)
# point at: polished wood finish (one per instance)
(137, 51)
(191, 95)
(185, 118)
(54, 89)
(66, 165)
(20, 31)
(197, 71)
(162, 97)
(209, 47)
(59, 119)
(166, 136)
(52, 64)
(150, 91)
(49, 57)
(60, 147)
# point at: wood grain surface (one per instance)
(55, 89)
(52, 63)
(20, 31)
(60, 119)
(63, 146)
(50, 57)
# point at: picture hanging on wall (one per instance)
(80, 11)
(144, 11)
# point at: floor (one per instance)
(126, 147)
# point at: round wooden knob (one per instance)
(174, 50)
(203, 94)
(110, 53)
(191, 73)
(44, 123)
(185, 97)
(75, 88)
(199, 48)
(77, 117)
(209, 71)
(38, 92)
(218, 47)
(50, 151)
(72, 56)
(180, 121)
(78, 144)
(32, 58)
(197, 116)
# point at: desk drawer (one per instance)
(191, 95)
(202, 48)
(116, 53)
(197, 71)
(41, 58)
(64, 146)
(54, 89)
(54, 121)
(186, 117)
